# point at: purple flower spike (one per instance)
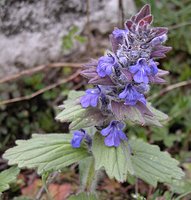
(105, 65)
(132, 96)
(114, 134)
(78, 136)
(119, 33)
(90, 98)
(141, 71)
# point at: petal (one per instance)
(76, 142)
(129, 102)
(108, 70)
(123, 94)
(77, 138)
(109, 140)
(147, 69)
(134, 68)
(85, 101)
(94, 100)
(121, 125)
(106, 131)
(100, 71)
(122, 135)
(116, 139)
(140, 77)
(143, 100)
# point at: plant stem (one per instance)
(136, 187)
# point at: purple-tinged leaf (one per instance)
(128, 24)
(160, 31)
(162, 72)
(115, 43)
(143, 13)
(156, 79)
(101, 80)
(146, 20)
(127, 74)
(143, 109)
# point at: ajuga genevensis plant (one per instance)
(99, 117)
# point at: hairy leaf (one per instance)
(87, 173)
(7, 177)
(141, 114)
(153, 165)
(115, 161)
(45, 152)
(146, 161)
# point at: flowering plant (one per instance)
(99, 118)
(122, 77)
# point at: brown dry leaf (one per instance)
(60, 192)
(32, 189)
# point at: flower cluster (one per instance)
(122, 77)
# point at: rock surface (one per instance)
(31, 31)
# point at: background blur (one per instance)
(42, 45)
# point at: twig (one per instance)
(42, 189)
(27, 97)
(121, 11)
(169, 88)
(179, 25)
(88, 24)
(136, 187)
(40, 68)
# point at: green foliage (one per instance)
(7, 177)
(115, 161)
(49, 152)
(37, 114)
(153, 165)
(72, 36)
(87, 173)
(146, 162)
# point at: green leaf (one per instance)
(45, 152)
(153, 165)
(83, 196)
(181, 186)
(7, 177)
(87, 173)
(158, 115)
(115, 161)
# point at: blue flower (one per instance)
(141, 71)
(105, 65)
(90, 98)
(78, 136)
(153, 66)
(114, 134)
(131, 95)
(117, 33)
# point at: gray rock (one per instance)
(31, 31)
